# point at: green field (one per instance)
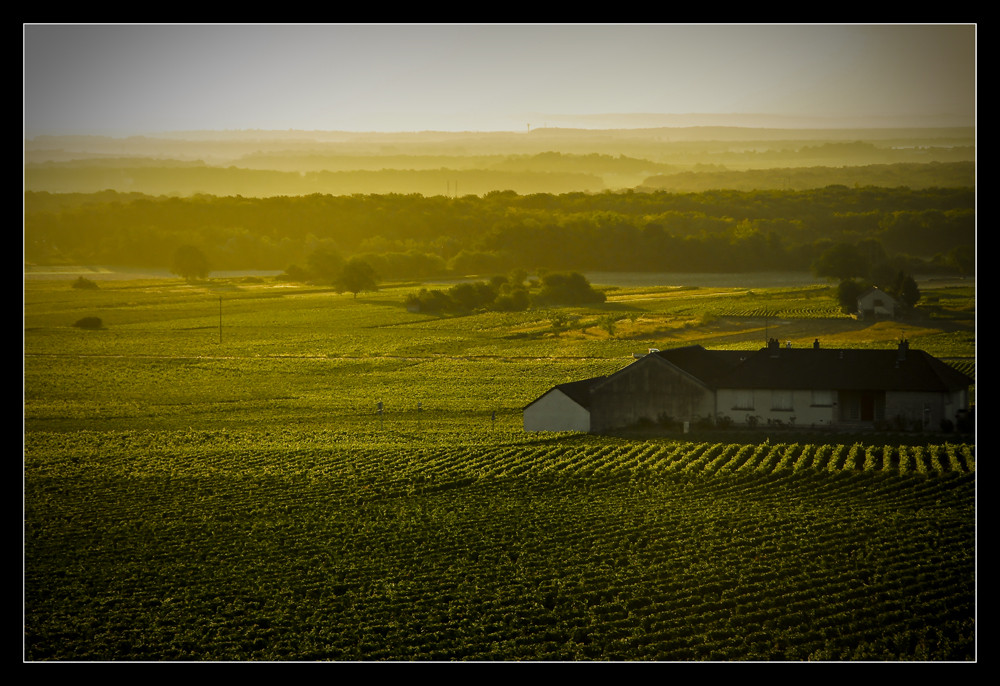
(206, 477)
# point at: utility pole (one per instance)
(220, 320)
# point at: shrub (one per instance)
(559, 320)
(434, 301)
(293, 273)
(89, 323)
(705, 423)
(463, 298)
(514, 300)
(84, 283)
(567, 289)
(609, 323)
(668, 422)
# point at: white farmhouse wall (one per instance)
(556, 411)
(808, 408)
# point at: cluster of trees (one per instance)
(327, 266)
(409, 237)
(859, 266)
(507, 294)
(902, 287)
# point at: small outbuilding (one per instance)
(877, 304)
(565, 407)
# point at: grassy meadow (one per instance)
(207, 477)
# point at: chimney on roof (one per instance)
(773, 346)
(904, 346)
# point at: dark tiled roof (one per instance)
(798, 369)
(882, 293)
(577, 391)
(709, 366)
(819, 368)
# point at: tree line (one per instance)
(415, 236)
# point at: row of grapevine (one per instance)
(194, 546)
(324, 457)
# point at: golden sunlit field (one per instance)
(291, 293)
(207, 476)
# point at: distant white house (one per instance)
(806, 387)
(876, 303)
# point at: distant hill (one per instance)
(544, 160)
(933, 175)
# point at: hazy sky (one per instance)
(132, 79)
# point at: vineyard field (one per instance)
(207, 478)
(208, 546)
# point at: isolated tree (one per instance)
(905, 289)
(190, 263)
(355, 276)
(847, 295)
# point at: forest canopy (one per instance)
(413, 236)
(419, 205)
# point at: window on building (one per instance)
(822, 398)
(744, 400)
(781, 400)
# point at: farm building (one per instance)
(875, 303)
(565, 407)
(809, 387)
